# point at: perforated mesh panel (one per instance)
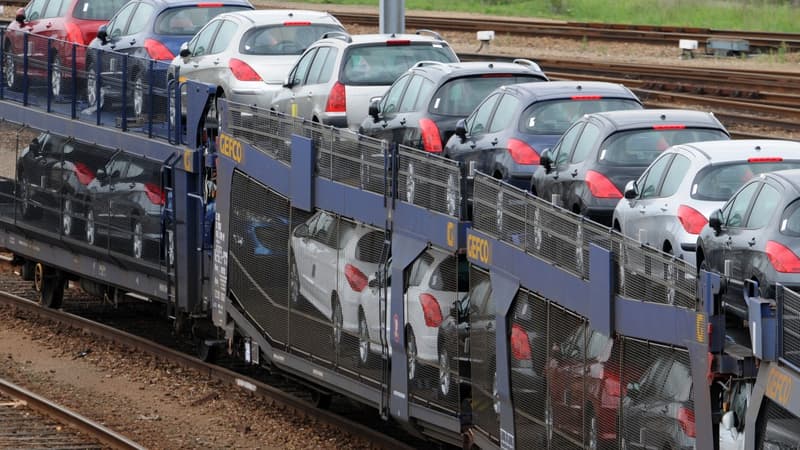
(790, 328)
(267, 131)
(429, 181)
(777, 427)
(528, 382)
(483, 353)
(258, 249)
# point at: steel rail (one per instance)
(299, 406)
(67, 417)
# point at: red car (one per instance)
(69, 22)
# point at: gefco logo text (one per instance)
(231, 148)
(779, 386)
(478, 249)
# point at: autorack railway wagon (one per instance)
(487, 316)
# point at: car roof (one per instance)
(277, 16)
(565, 89)
(641, 118)
(458, 69)
(356, 39)
(790, 177)
(738, 149)
(176, 3)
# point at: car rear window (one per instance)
(641, 147)
(790, 222)
(381, 64)
(460, 96)
(97, 9)
(555, 116)
(188, 20)
(283, 40)
(718, 183)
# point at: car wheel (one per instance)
(66, 217)
(495, 396)
(363, 339)
(591, 432)
(337, 325)
(548, 419)
(38, 277)
(294, 282)
(25, 207)
(92, 95)
(10, 69)
(55, 76)
(137, 239)
(27, 271)
(411, 354)
(444, 371)
(138, 97)
(90, 227)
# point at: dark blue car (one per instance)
(140, 32)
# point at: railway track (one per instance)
(30, 421)
(289, 401)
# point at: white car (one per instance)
(436, 280)
(670, 202)
(248, 54)
(370, 340)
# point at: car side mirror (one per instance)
(287, 83)
(301, 231)
(715, 221)
(102, 33)
(729, 421)
(631, 190)
(101, 174)
(546, 160)
(184, 50)
(461, 129)
(20, 17)
(375, 108)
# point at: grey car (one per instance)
(248, 54)
(669, 204)
(335, 80)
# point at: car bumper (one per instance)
(601, 213)
(337, 120)
(256, 94)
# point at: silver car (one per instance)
(336, 78)
(248, 54)
(670, 203)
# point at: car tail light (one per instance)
(431, 139)
(337, 99)
(669, 127)
(691, 219)
(74, 33)
(154, 194)
(765, 160)
(600, 186)
(398, 42)
(431, 310)
(242, 71)
(520, 346)
(355, 278)
(686, 419)
(297, 23)
(522, 153)
(587, 97)
(157, 50)
(611, 385)
(782, 258)
(84, 173)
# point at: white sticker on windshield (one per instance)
(694, 189)
(85, 6)
(436, 104)
(602, 154)
(437, 45)
(783, 224)
(532, 122)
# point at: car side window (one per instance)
(564, 146)
(325, 228)
(649, 187)
(118, 26)
(738, 207)
(301, 69)
(412, 92)
(54, 8)
(202, 42)
(317, 65)
(391, 101)
(419, 269)
(586, 142)
(677, 171)
(224, 36)
(35, 10)
(765, 205)
(480, 118)
(328, 66)
(505, 113)
(117, 167)
(140, 20)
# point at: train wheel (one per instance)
(52, 286)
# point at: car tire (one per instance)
(138, 97)
(495, 397)
(56, 77)
(11, 79)
(294, 282)
(591, 430)
(337, 325)
(27, 270)
(548, 420)
(91, 227)
(67, 217)
(137, 239)
(411, 354)
(364, 343)
(25, 206)
(444, 371)
(93, 97)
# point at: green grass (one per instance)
(755, 15)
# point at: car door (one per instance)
(501, 161)
(104, 188)
(323, 257)
(640, 211)
(407, 126)
(735, 223)
(546, 182)
(292, 102)
(469, 149)
(748, 245)
(216, 70)
(118, 27)
(313, 95)
(123, 38)
(50, 23)
(197, 65)
(665, 206)
(301, 253)
(383, 126)
(571, 177)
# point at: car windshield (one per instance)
(460, 96)
(641, 147)
(381, 64)
(283, 40)
(97, 9)
(555, 116)
(187, 20)
(718, 183)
